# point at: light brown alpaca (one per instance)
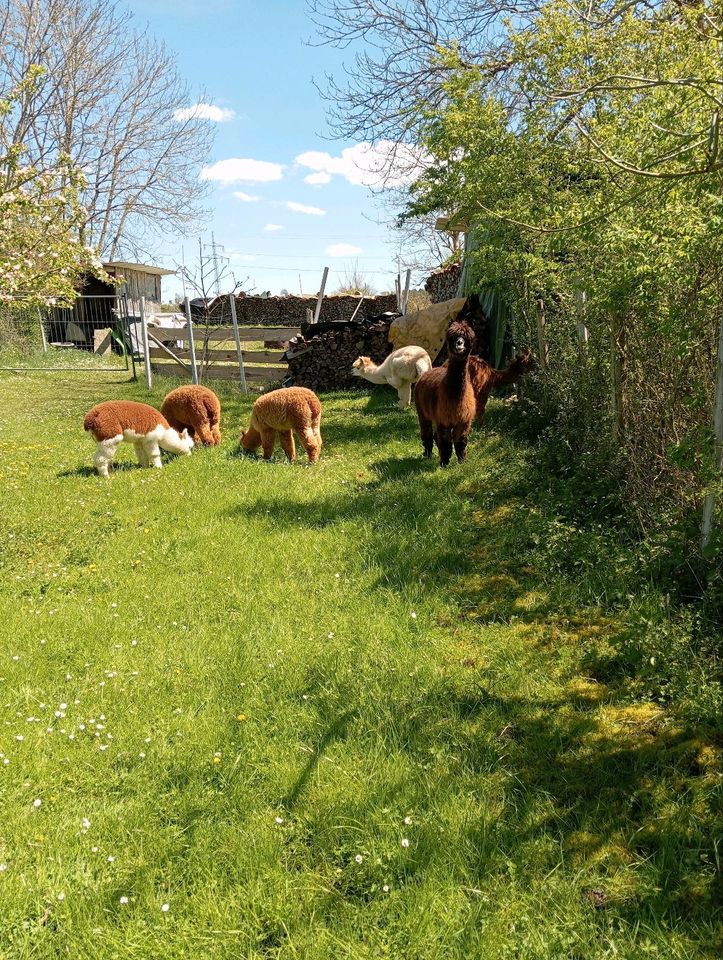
(196, 408)
(485, 378)
(113, 421)
(281, 411)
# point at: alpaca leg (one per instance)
(287, 444)
(105, 454)
(312, 443)
(153, 453)
(460, 448)
(426, 430)
(268, 441)
(141, 454)
(444, 445)
(215, 434)
(204, 434)
(405, 395)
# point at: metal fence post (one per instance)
(129, 336)
(405, 295)
(191, 341)
(237, 336)
(146, 349)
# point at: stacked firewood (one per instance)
(322, 357)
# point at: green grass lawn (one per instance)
(367, 709)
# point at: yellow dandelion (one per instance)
(241, 717)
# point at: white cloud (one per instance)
(300, 208)
(317, 178)
(205, 111)
(342, 250)
(236, 170)
(245, 197)
(386, 164)
(273, 227)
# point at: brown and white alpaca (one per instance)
(485, 378)
(445, 398)
(114, 421)
(196, 408)
(281, 411)
(400, 370)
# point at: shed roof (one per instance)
(138, 267)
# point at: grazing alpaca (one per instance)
(445, 399)
(485, 379)
(114, 421)
(281, 411)
(400, 370)
(196, 408)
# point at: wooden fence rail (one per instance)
(216, 357)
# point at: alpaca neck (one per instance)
(457, 375)
(173, 442)
(501, 378)
(374, 374)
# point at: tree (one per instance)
(354, 283)
(40, 254)
(108, 100)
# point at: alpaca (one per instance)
(400, 370)
(485, 379)
(114, 421)
(281, 411)
(196, 408)
(445, 398)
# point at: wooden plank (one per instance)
(247, 333)
(249, 356)
(266, 374)
(256, 374)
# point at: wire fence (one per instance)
(96, 333)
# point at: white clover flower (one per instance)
(405, 842)
(3, 867)
(359, 858)
(165, 907)
(124, 899)
(413, 615)
(61, 896)
(278, 820)
(37, 803)
(407, 820)
(385, 888)
(111, 859)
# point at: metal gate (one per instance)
(95, 334)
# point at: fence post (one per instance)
(706, 528)
(191, 341)
(583, 333)
(127, 333)
(616, 368)
(42, 331)
(146, 350)
(541, 342)
(405, 295)
(237, 336)
(321, 296)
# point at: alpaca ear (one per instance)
(184, 434)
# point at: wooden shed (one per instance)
(139, 280)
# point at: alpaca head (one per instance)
(186, 441)
(460, 339)
(524, 362)
(361, 365)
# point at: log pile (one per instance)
(444, 283)
(291, 311)
(321, 358)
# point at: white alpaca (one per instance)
(400, 370)
(114, 421)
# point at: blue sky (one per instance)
(251, 61)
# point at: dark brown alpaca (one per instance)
(445, 398)
(485, 378)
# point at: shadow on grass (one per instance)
(587, 771)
